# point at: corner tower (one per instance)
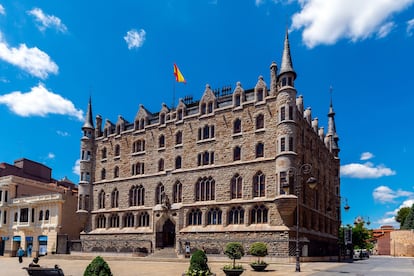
(288, 116)
(86, 165)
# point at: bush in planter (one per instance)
(198, 265)
(234, 250)
(258, 249)
(98, 267)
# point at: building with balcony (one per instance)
(37, 212)
(203, 173)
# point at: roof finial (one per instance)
(88, 118)
(287, 66)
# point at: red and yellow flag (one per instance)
(178, 76)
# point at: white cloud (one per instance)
(385, 29)
(325, 22)
(385, 194)
(2, 10)
(366, 156)
(39, 102)
(47, 21)
(31, 60)
(410, 27)
(62, 133)
(388, 221)
(50, 155)
(366, 170)
(76, 167)
(134, 38)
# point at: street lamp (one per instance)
(312, 182)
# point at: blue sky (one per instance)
(55, 54)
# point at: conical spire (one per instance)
(287, 66)
(333, 136)
(88, 118)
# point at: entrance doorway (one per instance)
(166, 237)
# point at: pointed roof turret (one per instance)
(88, 118)
(287, 66)
(331, 134)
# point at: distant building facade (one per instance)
(207, 172)
(395, 242)
(37, 212)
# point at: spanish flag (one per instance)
(178, 76)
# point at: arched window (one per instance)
(136, 195)
(103, 174)
(259, 214)
(214, 216)
(178, 162)
(101, 199)
(177, 192)
(40, 215)
(128, 220)
(159, 194)
(115, 198)
(259, 121)
(194, 217)
(210, 107)
(161, 165)
(259, 150)
(259, 184)
(137, 168)
(236, 153)
(143, 219)
(100, 221)
(205, 189)
(161, 141)
(103, 153)
(114, 221)
(116, 172)
(237, 126)
(47, 213)
(236, 186)
(142, 123)
(236, 215)
(203, 108)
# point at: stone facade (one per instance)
(402, 243)
(229, 167)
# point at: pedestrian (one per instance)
(20, 253)
(29, 251)
(35, 262)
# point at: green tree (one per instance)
(98, 267)
(361, 236)
(402, 215)
(409, 220)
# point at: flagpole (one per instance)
(173, 96)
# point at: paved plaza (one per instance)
(150, 267)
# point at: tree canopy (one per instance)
(401, 215)
(409, 219)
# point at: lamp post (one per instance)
(312, 182)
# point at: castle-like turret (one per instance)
(86, 164)
(332, 138)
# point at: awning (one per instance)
(42, 238)
(29, 239)
(17, 238)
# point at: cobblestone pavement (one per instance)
(9, 266)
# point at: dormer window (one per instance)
(237, 100)
(203, 109)
(162, 119)
(180, 114)
(141, 124)
(259, 94)
(210, 107)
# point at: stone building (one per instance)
(37, 212)
(229, 167)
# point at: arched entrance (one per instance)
(166, 237)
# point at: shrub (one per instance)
(258, 249)
(234, 250)
(98, 267)
(198, 264)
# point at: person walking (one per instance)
(20, 253)
(29, 251)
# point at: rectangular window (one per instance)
(282, 144)
(290, 143)
(290, 113)
(282, 113)
(24, 215)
